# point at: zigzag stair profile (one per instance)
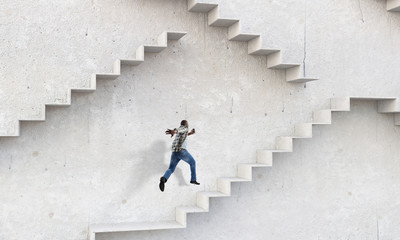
(245, 170)
(294, 71)
(324, 117)
(393, 5)
(162, 43)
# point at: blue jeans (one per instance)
(185, 156)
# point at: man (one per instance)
(179, 152)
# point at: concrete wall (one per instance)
(100, 159)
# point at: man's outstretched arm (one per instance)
(171, 131)
(192, 132)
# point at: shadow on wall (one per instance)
(153, 163)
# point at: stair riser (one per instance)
(322, 116)
(393, 5)
(388, 106)
(203, 202)
(181, 217)
(245, 172)
(303, 130)
(284, 143)
(342, 104)
(224, 186)
(265, 157)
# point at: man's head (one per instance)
(184, 123)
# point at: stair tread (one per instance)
(107, 74)
(58, 104)
(339, 110)
(133, 62)
(244, 37)
(234, 179)
(203, 7)
(175, 35)
(154, 48)
(303, 80)
(321, 123)
(255, 164)
(32, 120)
(214, 194)
(274, 150)
(224, 22)
(134, 226)
(191, 209)
(295, 137)
(83, 89)
(284, 65)
(263, 52)
(373, 98)
(301, 137)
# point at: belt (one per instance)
(181, 149)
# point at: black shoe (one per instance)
(163, 180)
(194, 182)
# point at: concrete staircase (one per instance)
(283, 144)
(264, 159)
(393, 5)
(162, 44)
(294, 71)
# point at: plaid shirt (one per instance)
(179, 138)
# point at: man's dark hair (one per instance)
(183, 122)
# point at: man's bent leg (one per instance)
(190, 160)
(172, 165)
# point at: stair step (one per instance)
(393, 5)
(83, 90)
(58, 104)
(263, 52)
(339, 110)
(283, 66)
(244, 37)
(195, 6)
(373, 98)
(203, 198)
(154, 48)
(106, 76)
(254, 165)
(33, 120)
(213, 194)
(245, 170)
(190, 209)
(223, 22)
(322, 116)
(298, 137)
(302, 80)
(320, 123)
(279, 151)
(131, 62)
(224, 184)
(136, 226)
(234, 179)
(175, 35)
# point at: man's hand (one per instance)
(169, 131)
(192, 132)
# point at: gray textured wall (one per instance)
(100, 159)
